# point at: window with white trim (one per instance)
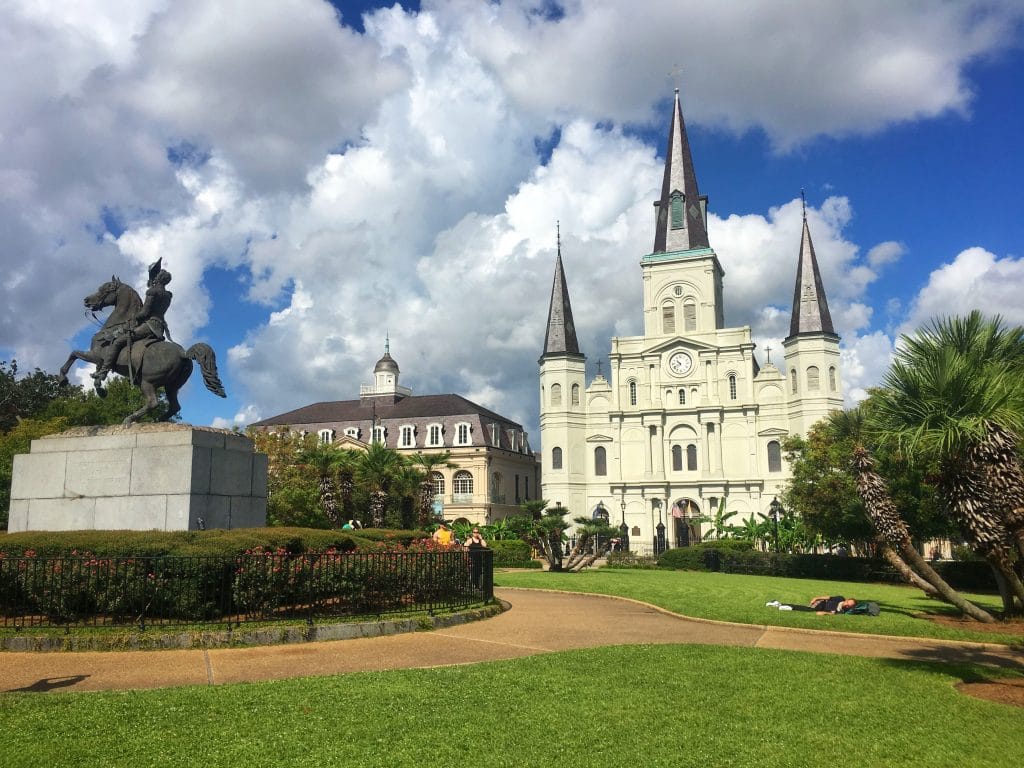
(632, 391)
(407, 436)
(691, 457)
(677, 458)
(435, 435)
(462, 433)
(352, 432)
(462, 483)
(792, 379)
(380, 434)
(437, 483)
(326, 436)
(732, 386)
(556, 458)
(600, 461)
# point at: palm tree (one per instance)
(949, 390)
(428, 463)
(377, 471)
(323, 459)
(893, 531)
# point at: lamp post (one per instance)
(659, 537)
(775, 508)
(624, 529)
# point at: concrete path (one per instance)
(583, 621)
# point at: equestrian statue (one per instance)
(135, 343)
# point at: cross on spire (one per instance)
(768, 350)
(599, 364)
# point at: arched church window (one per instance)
(690, 315)
(668, 319)
(682, 396)
(691, 457)
(677, 458)
(575, 394)
(632, 392)
(556, 458)
(774, 456)
(600, 461)
(832, 378)
(732, 386)
(812, 378)
(556, 394)
(676, 203)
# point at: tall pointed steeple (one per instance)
(560, 339)
(681, 211)
(810, 307)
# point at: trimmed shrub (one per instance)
(512, 553)
(627, 559)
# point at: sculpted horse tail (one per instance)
(204, 355)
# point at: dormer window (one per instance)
(352, 432)
(435, 435)
(380, 434)
(326, 436)
(407, 436)
(462, 433)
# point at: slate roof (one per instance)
(810, 306)
(679, 176)
(560, 338)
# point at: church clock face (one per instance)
(680, 363)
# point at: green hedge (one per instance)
(725, 556)
(512, 554)
(197, 543)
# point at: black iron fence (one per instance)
(256, 586)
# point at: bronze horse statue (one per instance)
(149, 363)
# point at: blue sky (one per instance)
(317, 176)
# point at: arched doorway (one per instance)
(685, 529)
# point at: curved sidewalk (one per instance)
(537, 622)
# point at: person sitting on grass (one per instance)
(823, 605)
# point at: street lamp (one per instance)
(624, 529)
(776, 509)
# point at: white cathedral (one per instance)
(688, 423)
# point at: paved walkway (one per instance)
(583, 621)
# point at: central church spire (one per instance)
(681, 223)
(810, 307)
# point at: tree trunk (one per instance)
(891, 528)
(908, 573)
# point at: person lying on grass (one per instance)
(823, 605)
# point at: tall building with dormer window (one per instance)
(493, 467)
(688, 422)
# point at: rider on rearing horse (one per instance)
(148, 322)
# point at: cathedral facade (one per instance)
(687, 425)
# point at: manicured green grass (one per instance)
(619, 706)
(733, 597)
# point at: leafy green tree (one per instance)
(952, 387)
(293, 492)
(26, 396)
(324, 461)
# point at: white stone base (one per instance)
(168, 477)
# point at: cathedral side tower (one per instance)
(814, 385)
(562, 404)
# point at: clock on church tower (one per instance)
(680, 363)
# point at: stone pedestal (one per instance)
(168, 477)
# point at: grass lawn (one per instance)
(734, 597)
(619, 706)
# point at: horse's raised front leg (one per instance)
(85, 357)
(149, 391)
